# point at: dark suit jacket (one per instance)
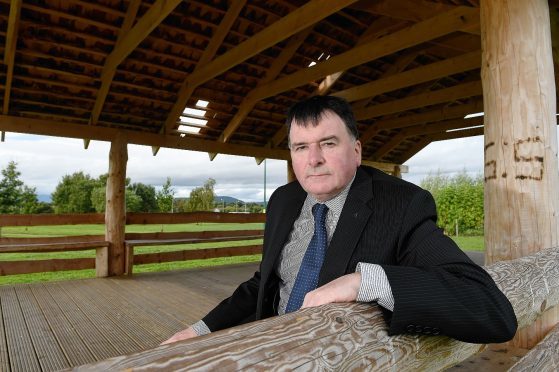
(390, 222)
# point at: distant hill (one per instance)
(44, 198)
(227, 199)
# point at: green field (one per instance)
(472, 243)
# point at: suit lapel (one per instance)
(353, 220)
(284, 218)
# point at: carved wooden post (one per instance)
(521, 177)
(115, 212)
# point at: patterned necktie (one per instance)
(307, 278)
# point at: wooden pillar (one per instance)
(521, 176)
(397, 172)
(115, 213)
(290, 173)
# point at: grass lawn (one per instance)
(468, 243)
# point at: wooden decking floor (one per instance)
(57, 325)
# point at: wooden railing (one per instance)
(88, 242)
(351, 336)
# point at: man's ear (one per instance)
(358, 151)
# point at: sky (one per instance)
(43, 161)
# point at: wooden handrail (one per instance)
(347, 336)
(131, 218)
(543, 357)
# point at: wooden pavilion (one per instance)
(217, 76)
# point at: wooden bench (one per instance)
(54, 244)
(191, 237)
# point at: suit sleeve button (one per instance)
(418, 329)
(410, 328)
(427, 330)
(435, 331)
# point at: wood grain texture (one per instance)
(544, 357)
(345, 336)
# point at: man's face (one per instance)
(324, 157)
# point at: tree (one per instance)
(15, 196)
(73, 194)
(165, 197)
(202, 198)
(459, 201)
(147, 195)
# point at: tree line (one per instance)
(81, 193)
(459, 202)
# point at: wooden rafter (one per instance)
(10, 51)
(454, 93)
(418, 33)
(279, 63)
(442, 113)
(127, 43)
(187, 88)
(465, 62)
(296, 21)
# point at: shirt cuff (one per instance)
(374, 285)
(201, 328)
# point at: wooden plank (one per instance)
(152, 242)
(107, 324)
(10, 51)
(51, 219)
(53, 239)
(4, 360)
(138, 319)
(27, 267)
(196, 254)
(75, 348)
(192, 217)
(95, 339)
(52, 247)
(18, 338)
(543, 357)
(192, 234)
(47, 350)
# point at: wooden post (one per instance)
(115, 212)
(397, 172)
(521, 177)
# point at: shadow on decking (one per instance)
(56, 325)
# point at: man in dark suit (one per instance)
(376, 241)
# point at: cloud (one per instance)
(43, 161)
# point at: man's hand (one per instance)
(343, 289)
(182, 335)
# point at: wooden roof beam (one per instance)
(418, 33)
(439, 127)
(409, 10)
(127, 43)
(186, 89)
(277, 66)
(454, 93)
(10, 50)
(296, 21)
(433, 71)
(442, 113)
(53, 128)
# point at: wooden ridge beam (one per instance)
(418, 33)
(301, 18)
(127, 43)
(454, 93)
(10, 50)
(437, 70)
(279, 63)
